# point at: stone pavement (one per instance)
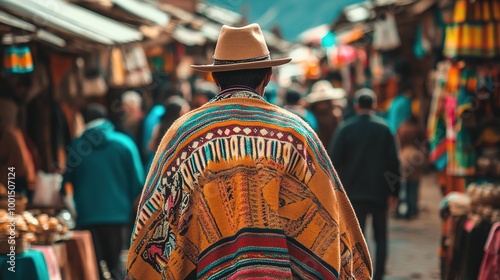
(413, 244)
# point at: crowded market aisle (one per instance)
(413, 243)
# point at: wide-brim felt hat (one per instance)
(240, 48)
(323, 91)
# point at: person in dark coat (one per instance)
(365, 154)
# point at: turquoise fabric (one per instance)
(30, 265)
(399, 111)
(418, 47)
(150, 121)
(107, 175)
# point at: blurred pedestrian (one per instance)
(411, 138)
(294, 103)
(365, 154)
(15, 159)
(240, 188)
(400, 109)
(132, 113)
(175, 107)
(202, 93)
(105, 171)
(153, 118)
(327, 104)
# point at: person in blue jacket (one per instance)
(400, 108)
(105, 170)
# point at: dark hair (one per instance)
(94, 111)
(207, 89)
(405, 85)
(173, 108)
(412, 119)
(248, 77)
(365, 102)
(292, 96)
(164, 91)
(365, 98)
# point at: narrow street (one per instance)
(413, 244)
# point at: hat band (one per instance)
(225, 62)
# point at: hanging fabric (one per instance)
(17, 59)
(422, 45)
(117, 73)
(93, 83)
(137, 68)
(385, 34)
(474, 31)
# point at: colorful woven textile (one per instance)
(242, 189)
(17, 60)
(436, 127)
(474, 31)
(462, 97)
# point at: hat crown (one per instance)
(241, 48)
(323, 90)
(241, 43)
(322, 86)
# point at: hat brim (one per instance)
(315, 97)
(241, 66)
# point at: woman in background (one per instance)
(175, 107)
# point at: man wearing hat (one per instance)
(326, 103)
(240, 188)
(364, 145)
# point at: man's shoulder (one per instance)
(353, 121)
(120, 138)
(365, 121)
(379, 121)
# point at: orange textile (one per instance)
(250, 194)
(59, 66)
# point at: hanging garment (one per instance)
(385, 34)
(474, 30)
(490, 267)
(422, 45)
(137, 71)
(117, 75)
(17, 60)
(436, 127)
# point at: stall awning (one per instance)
(143, 10)
(188, 37)
(72, 20)
(37, 33)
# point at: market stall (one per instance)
(464, 134)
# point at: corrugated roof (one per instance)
(38, 33)
(188, 36)
(143, 10)
(72, 19)
(13, 21)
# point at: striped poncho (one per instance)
(243, 189)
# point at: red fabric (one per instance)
(490, 268)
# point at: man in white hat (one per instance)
(327, 104)
(240, 188)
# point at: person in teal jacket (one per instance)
(105, 170)
(400, 108)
